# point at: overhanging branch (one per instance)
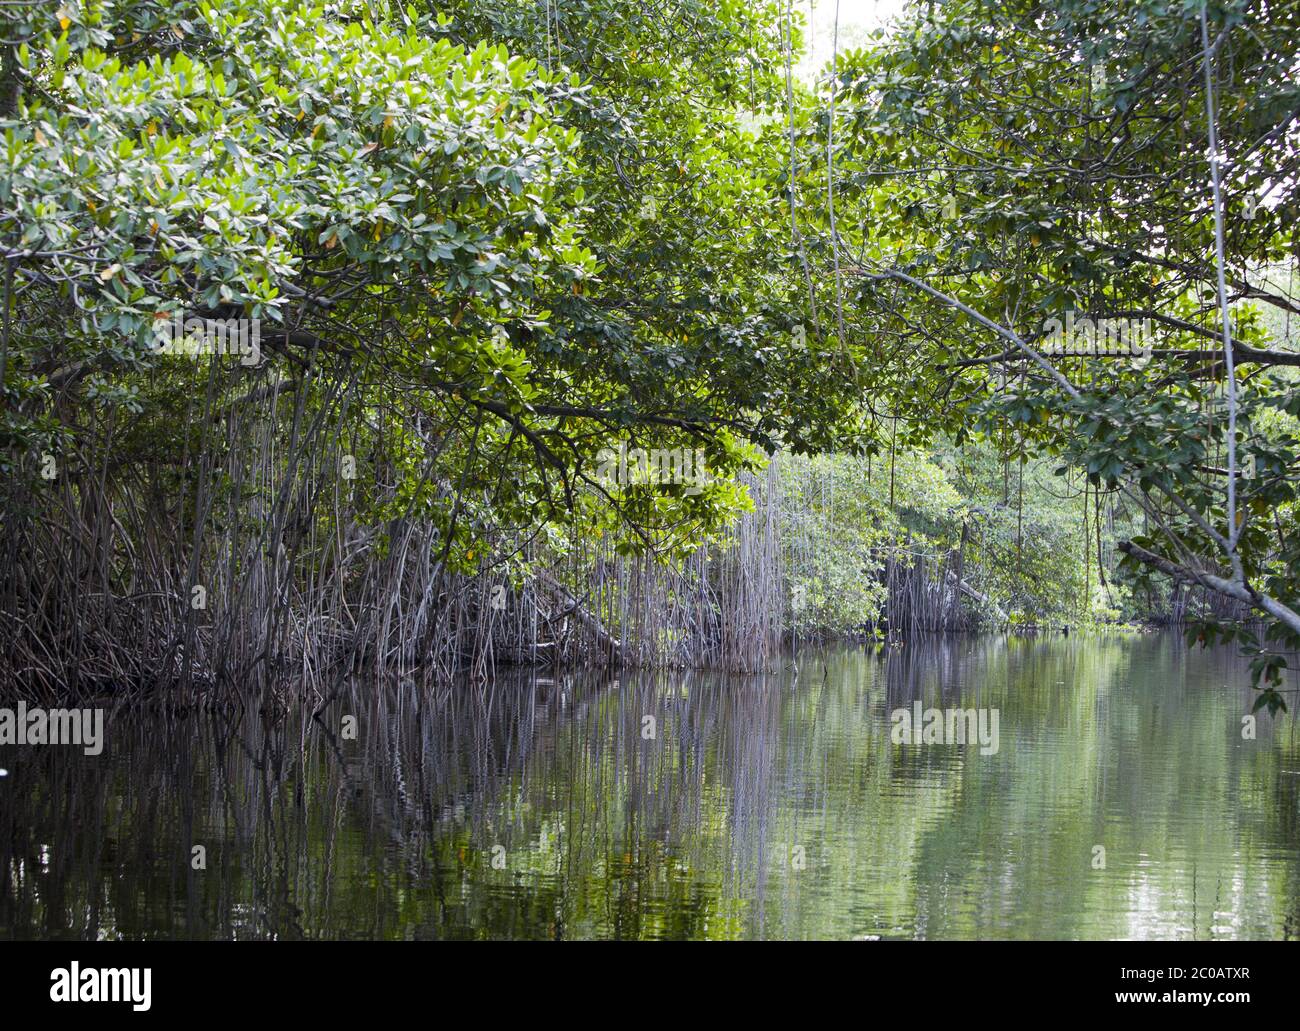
(1229, 589)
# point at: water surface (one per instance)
(686, 805)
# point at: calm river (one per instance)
(1122, 800)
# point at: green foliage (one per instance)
(543, 249)
(489, 241)
(1027, 162)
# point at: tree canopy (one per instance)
(486, 241)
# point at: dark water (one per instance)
(762, 807)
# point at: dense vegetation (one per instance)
(490, 244)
